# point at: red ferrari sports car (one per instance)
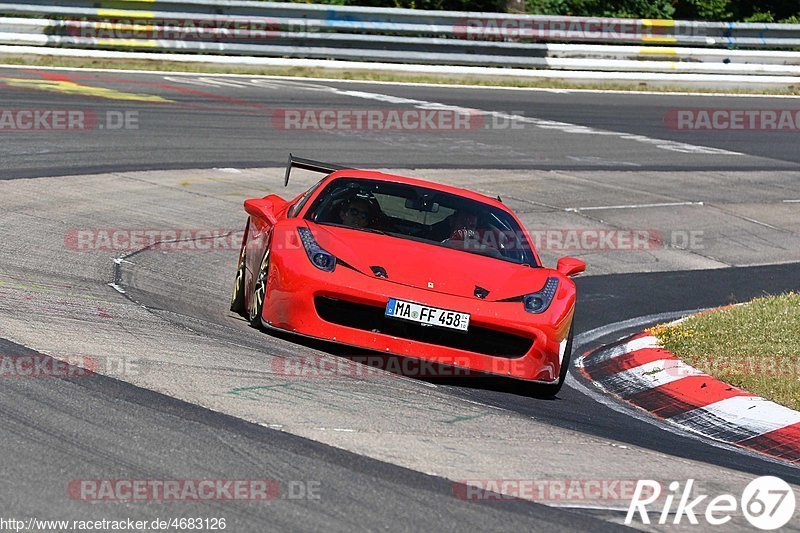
(410, 268)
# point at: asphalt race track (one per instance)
(186, 390)
(182, 126)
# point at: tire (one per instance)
(259, 292)
(237, 295)
(550, 391)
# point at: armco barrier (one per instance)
(347, 33)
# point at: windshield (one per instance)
(422, 214)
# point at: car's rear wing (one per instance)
(309, 164)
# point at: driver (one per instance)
(356, 213)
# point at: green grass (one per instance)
(302, 72)
(755, 346)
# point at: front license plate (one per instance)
(423, 314)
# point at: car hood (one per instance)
(428, 266)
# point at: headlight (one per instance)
(318, 257)
(538, 302)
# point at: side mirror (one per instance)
(570, 266)
(265, 208)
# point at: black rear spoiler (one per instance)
(309, 164)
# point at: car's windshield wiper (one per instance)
(372, 230)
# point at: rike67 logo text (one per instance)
(767, 503)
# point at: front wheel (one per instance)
(237, 296)
(259, 292)
(552, 390)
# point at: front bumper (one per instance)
(503, 339)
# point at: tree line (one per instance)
(711, 10)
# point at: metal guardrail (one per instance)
(234, 27)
